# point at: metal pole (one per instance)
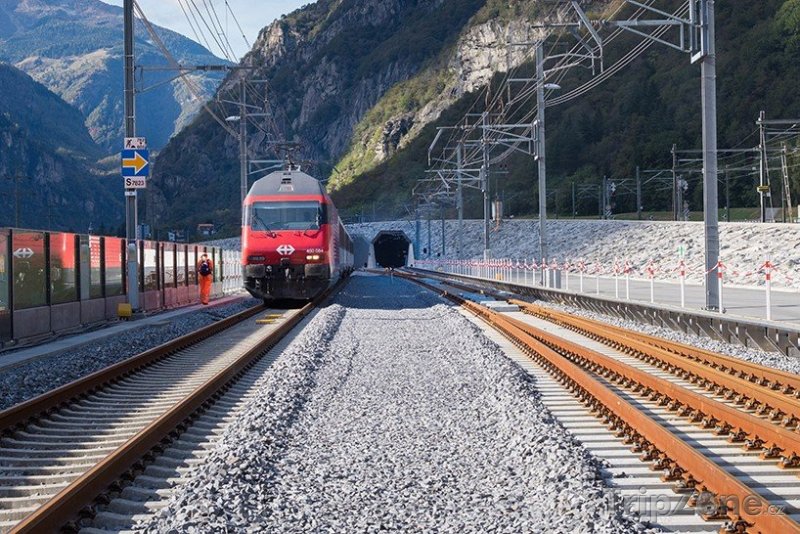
(16, 200)
(541, 152)
(131, 208)
(787, 213)
(727, 195)
(485, 187)
(605, 198)
(762, 155)
(460, 200)
(600, 201)
(574, 212)
(675, 207)
(638, 193)
(710, 200)
(783, 203)
(430, 251)
(243, 144)
(443, 231)
(418, 230)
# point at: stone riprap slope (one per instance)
(744, 246)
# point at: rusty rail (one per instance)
(681, 461)
(762, 375)
(778, 403)
(770, 392)
(712, 413)
(80, 494)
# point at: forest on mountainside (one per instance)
(633, 120)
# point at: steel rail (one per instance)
(24, 412)
(710, 412)
(780, 405)
(769, 392)
(767, 377)
(773, 379)
(81, 493)
(692, 466)
(680, 459)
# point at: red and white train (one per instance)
(293, 243)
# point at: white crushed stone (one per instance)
(38, 376)
(775, 360)
(391, 411)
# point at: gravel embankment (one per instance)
(392, 412)
(35, 377)
(775, 360)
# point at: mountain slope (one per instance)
(328, 63)
(74, 47)
(364, 84)
(46, 149)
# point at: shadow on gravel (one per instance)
(382, 292)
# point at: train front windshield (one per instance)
(274, 216)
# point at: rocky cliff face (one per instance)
(479, 54)
(74, 48)
(329, 64)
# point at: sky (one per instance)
(253, 15)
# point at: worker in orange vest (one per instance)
(205, 272)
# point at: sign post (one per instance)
(135, 168)
(768, 285)
(682, 267)
(131, 208)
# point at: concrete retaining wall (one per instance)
(65, 317)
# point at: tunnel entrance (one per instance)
(391, 249)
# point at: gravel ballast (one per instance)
(391, 411)
(41, 375)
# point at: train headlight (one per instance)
(313, 257)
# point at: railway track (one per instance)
(69, 454)
(722, 432)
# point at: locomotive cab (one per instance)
(291, 238)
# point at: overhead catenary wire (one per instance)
(529, 92)
(192, 26)
(637, 51)
(239, 26)
(214, 36)
(223, 37)
(482, 95)
(189, 83)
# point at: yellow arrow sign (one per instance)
(138, 163)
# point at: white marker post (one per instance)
(545, 273)
(616, 279)
(581, 268)
(768, 285)
(597, 278)
(627, 280)
(720, 272)
(566, 275)
(651, 274)
(682, 267)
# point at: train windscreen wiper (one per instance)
(260, 221)
(315, 225)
